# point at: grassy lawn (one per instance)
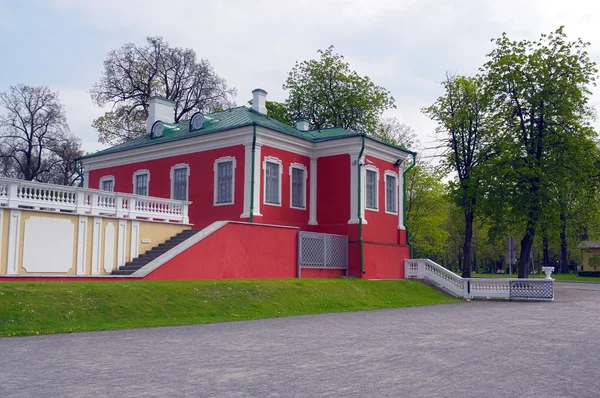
(55, 307)
(558, 277)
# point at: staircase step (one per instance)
(135, 264)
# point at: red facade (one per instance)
(335, 208)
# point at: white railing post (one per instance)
(466, 293)
(13, 200)
(184, 211)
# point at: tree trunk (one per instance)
(546, 255)
(466, 270)
(526, 245)
(564, 267)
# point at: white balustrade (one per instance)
(38, 196)
(506, 288)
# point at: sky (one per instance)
(406, 46)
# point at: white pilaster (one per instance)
(96, 243)
(354, 166)
(248, 180)
(400, 198)
(135, 239)
(109, 248)
(14, 234)
(86, 179)
(312, 220)
(81, 244)
(121, 242)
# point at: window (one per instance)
(107, 183)
(141, 182)
(224, 181)
(391, 192)
(298, 186)
(180, 174)
(371, 189)
(272, 169)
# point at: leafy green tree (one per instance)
(542, 89)
(132, 74)
(328, 93)
(426, 210)
(465, 121)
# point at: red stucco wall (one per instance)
(284, 214)
(381, 227)
(333, 194)
(202, 212)
(237, 251)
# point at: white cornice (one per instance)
(243, 136)
(285, 142)
(174, 148)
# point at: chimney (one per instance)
(259, 101)
(160, 109)
(302, 124)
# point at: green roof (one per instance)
(227, 120)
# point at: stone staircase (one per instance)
(131, 266)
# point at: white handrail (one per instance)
(506, 288)
(35, 195)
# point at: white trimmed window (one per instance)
(107, 183)
(391, 192)
(298, 186)
(371, 191)
(272, 171)
(180, 176)
(224, 169)
(141, 182)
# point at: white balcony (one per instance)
(20, 194)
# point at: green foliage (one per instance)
(464, 118)
(594, 261)
(427, 209)
(328, 93)
(541, 90)
(44, 308)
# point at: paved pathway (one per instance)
(478, 349)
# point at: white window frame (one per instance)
(271, 159)
(223, 159)
(140, 172)
(302, 167)
(376, 170)
(187, 180)
(103, 179)
(395, 175)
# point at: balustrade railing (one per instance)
(540, 289)
(38, 196)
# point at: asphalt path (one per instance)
(477, 349)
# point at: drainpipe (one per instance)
(414, 155)
(360, 220)
(78, 173)
(252, 173)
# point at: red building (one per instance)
(241, 165)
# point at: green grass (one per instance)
(54, 307)
(558, 277)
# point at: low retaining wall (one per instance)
(236, 250)
(52, 243)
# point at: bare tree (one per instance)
(62, 158)
(392, 131)
(33, 125)
(132, 74)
